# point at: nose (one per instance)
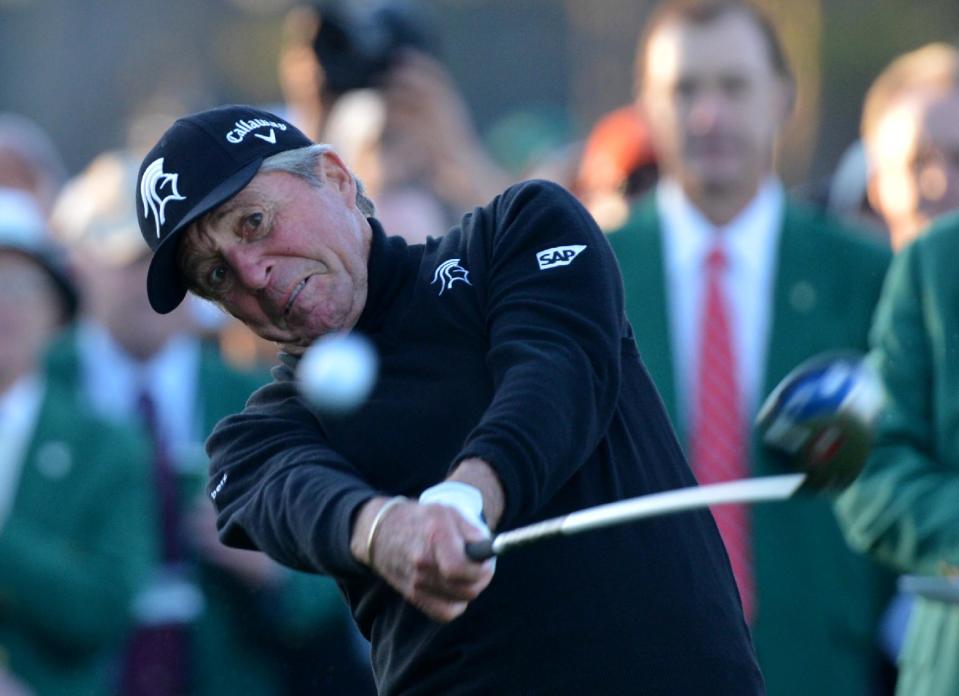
(251, 269)
(705, 112)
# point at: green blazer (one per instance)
(904, 508)
(247, 641)
(76, 547)
(817, 602)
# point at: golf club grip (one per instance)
(479, 551)
(501, 543)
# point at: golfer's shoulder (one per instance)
(538, 198)
(530, 210)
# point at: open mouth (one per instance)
(293, 295)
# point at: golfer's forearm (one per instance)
(478, 473)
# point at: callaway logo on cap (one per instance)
(202, 161)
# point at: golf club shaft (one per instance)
(754, 490)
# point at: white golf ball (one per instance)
(337, 373)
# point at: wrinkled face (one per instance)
(286, 257)
(714, 103)
(29, 315)
(914, 156)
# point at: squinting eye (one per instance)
(253, 220)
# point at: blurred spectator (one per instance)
(617, 166)
(356, 126)
(843, 193)
(29, 161)
(902, 509)
(910, 127)
(409, 136)
(207, 607)
(730, 285)
(846, 193)
(75, 514)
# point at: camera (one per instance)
(356, 47)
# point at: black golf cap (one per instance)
(200, 162)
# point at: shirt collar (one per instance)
(691, 235)
(20, 402)
(386, 273)
(121, 377)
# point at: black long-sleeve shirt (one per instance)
(504, 340)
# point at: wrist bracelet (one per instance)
(380, 514)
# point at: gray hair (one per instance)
(302, 162)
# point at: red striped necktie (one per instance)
(719, 436)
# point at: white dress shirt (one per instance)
(750, 242)
(113, 381)
(19, 410)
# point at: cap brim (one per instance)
(166, 286)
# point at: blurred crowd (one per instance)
(112, 578)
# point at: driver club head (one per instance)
(822, 416)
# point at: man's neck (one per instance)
(140, 348)
(903, 232)
(721, 207)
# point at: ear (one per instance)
(334, 172)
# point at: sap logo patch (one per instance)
(558, 256)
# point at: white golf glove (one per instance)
(464, 498)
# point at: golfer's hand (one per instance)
(419, 550)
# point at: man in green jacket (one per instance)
(904, 508)
(75, 513)
(729, 285)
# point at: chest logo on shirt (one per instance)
(558, 256)
(448, 273)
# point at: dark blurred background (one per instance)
(85, 69)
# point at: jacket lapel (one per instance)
(798, 301)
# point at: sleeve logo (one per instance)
(558, 256)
